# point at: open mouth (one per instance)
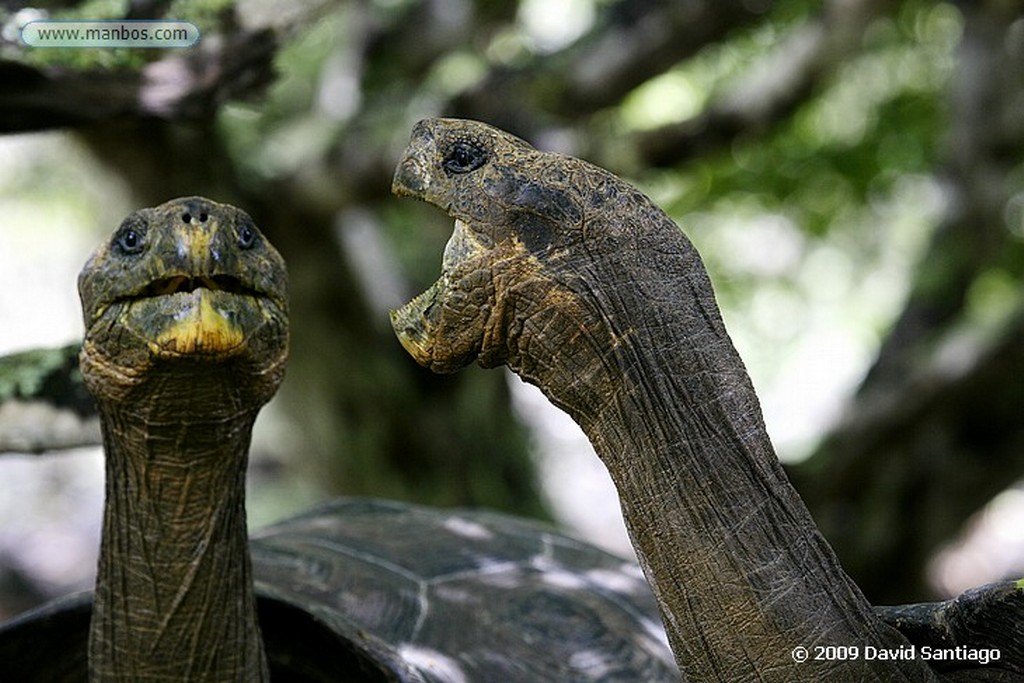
(461, 246)
(443, 328)
(182, 283)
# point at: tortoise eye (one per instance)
(246, 236)
(129, 239)
(463, 158)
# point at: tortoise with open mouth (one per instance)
(582, 286)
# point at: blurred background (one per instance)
(852, 172)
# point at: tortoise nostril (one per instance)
(203, 217)
(186, 217)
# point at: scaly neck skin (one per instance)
(174, 595)
(739, 569)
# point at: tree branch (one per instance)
(631, 43)
(773, 88)
(178, 87)
(44, 404)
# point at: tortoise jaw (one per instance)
(188, 315)
(203, 322)
(414, 321)
(461, 246)
(182, 284)
(442, 328)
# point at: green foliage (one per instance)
(86, 58)
(287, 131)
(879, 120)
(22, 375)
(208, 15)
(92, 9)
(817, 223)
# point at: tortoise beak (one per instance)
(415, 170)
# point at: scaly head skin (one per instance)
(189, 280)
(465, 169)
(185, 310)
(517, 212)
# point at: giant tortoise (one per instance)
(580, 284)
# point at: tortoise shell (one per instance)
(383, 591)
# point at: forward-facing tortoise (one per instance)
(186, 336)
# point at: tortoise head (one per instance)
(190, 283)
(516, 210)
(540, 242)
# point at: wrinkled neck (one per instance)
(174, 595)
(739, 569)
